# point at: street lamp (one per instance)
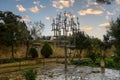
(63, 25)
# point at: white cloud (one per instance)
(72, 2)
(90, 2)
(82, 12)
(107, 17)
(34, 9)
(106, 24)
(118, 2)
(62, 3)
(57, 5)
(36, 2)
(21, 8)
(90, 11)
(41, 6)
(48, 17)
(110, 13)
(86, 28)
(65, 3)
(26, 18)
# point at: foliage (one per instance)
(46, 50)
(82, 41)
(109, 63)
(13, 30)
(81, 62)
(2, 61)
(92, 56)
(29, 74)
(37, 28)
(114, 33)
(33, 52)
(96, 45)
(116, 59)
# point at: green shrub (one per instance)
(116, 59)
(92, 56)
(29, 74)
(85, 62)
(109, 64)
(46, 50)
(33, 52)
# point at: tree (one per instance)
(114, 32)
(33, 52)
(82, 42)
(106, 44)
(24, 36)
(12, 30)
(10, 23)
(92, 56)
(37, 28)
(96, 45)
(46, 50)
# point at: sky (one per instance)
(94, 18)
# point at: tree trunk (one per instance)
(12, 51)
(12, 45)
(80, 51)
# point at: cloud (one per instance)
(118, 2)
(106, 24)
(41, 6)
(72, 2)
(107, 17)
(110, 13)
(90, 11)
(82, 12)
(90, 2)
(69, 15)
(21, 8)
(36, 2)
(19, 0)
(34, 9)
(57, 5)
(48, 17)
(62, 3)
(86, 28)
(65, 3)
(26, 18)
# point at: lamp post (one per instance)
(62, 25)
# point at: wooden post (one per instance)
(102, 64)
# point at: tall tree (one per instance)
(10, 24)
(11, 30)
(96, 45)
(114, 33)
(82, 42)
(37, 28)
(106, 44)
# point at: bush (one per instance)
(33, 52)
(29, 74)
(109, 64)
(92, 56)
(116, 59)
(46, 50)
(82, 62)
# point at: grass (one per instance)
(109, 63)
